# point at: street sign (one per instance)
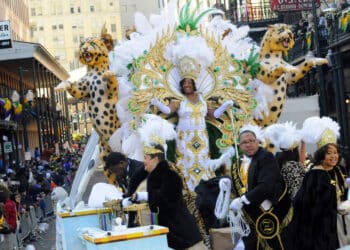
(7, 147)
(293, 5)
(5, 34)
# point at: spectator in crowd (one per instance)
(37, 154)
(47, 152)
(10, 216)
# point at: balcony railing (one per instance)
(253, 14)
(335, 33)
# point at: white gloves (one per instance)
(225, 184)
(162, 107)
(220, 110)
(126, 202)
(238, 203)
(142, 196)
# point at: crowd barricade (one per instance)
(29, 220)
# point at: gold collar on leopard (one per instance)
(189, 68)
(327, 136)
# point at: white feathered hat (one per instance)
(284, 136)
(320, 131)
(155, 130)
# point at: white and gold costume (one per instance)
(192, 143)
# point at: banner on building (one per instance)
(293, 5)
(5, 34)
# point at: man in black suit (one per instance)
(120, 170)
(262, 196)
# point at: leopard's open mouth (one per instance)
(285, 43)
(87, 56)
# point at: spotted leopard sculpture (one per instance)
(276, 72)
(99, 87)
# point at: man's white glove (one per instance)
(220, 110)
(126, 202)
(162, 107)
(141, 196)
(225, 184)
(238, 203)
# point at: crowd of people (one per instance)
(29, 186)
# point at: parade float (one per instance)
(227, 66)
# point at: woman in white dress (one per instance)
(192, 144)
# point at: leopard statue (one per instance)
(99, 87)
(276, 72)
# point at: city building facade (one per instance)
(60, 25)
(17, 13)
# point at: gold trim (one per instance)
(275, 228)
(84, 213)
(136, 235)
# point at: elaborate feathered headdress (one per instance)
(155, 130)
(283, 135)
(320, 131)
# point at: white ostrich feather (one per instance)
(312, 130)
(132, 147)
(142, 25)
(283, 135)
(236, 41)
(155, 126)
(313, 127)
(264, 95)
(203, 54)
(332, 125)
(272, 133)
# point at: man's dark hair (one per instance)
(182, 85)
(113, 159)
(246, 132)
(161, 156)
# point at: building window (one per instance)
(113, 27)
(54, 27)
(72, 10)
(78, 9)
(41, 28)
(110, 3)
(92, 8)
(60, 26)
(32, 12)
(74, 27)
(32, 30)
